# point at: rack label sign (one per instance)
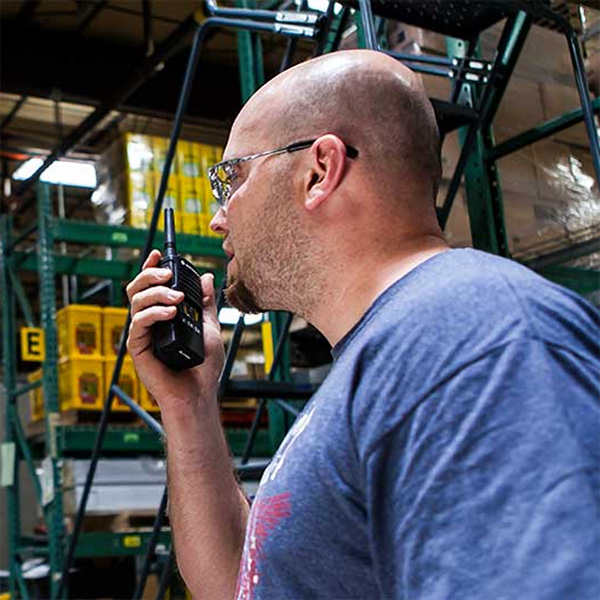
(132, 541)
(33, 344)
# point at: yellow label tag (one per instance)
(132, 541)
(267, 344)
(33, 344)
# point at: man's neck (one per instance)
(353, 288)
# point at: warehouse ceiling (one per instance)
(61, 59)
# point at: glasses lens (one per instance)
(219, 183)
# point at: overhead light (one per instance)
(230, 316)
(60, 172)
(322, 5)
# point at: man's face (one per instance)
(259, 228)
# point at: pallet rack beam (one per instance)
(21, 298)
(563, 255)
(121, 236)
(53, 505)
(541, 132)
(486, 104)
(9, 449)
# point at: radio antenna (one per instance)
(170, 247)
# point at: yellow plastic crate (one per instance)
(128, 382)
(113, 323)
(79, 331)
(171, 199)
(187, 165)
(160, 147)
(140, 199)
(203, 155)
(147, 401)
(210, 206)
(139, 152)
(36, 396)
(191, 205)
(81, 383)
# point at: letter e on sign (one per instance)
(33, 344)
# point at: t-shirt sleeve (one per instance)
(487, 487)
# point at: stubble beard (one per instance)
(239, 296)
(266, 260)
(275, 271)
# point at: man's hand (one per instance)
(151, 301)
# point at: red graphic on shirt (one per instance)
(266, 513)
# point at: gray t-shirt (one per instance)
(452, 453)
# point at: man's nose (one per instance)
(219, 222)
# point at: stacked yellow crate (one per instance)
(172, 193)
(209, 155)
(188, 189)
(36, 397)
(88, 343)
(139, 176)
(191, 192)
(80, 373)
(113, 324)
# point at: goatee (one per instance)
(240, 297)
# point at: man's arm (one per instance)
(208, 511)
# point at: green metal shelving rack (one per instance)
(484, 200)
(58, 441)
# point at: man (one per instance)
(452, 453)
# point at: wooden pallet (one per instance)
(121, 522)
(86, 417)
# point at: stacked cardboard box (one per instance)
(549, 188)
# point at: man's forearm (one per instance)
(207, 509)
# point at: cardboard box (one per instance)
(518, 173)
(555, 179)
(407, 38)
(450, 154)
(520, 109)
(519, 217)
(170, 200)
(558, 99)
(437, 87)
(545, 55)
(139, 153)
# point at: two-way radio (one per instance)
(179, 343)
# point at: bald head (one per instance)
(368, 99)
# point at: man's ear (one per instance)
(328, 159)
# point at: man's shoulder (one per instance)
(464, 303)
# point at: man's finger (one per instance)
(156, 294)
(153, 259)
(143, 321)
(147, 278)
